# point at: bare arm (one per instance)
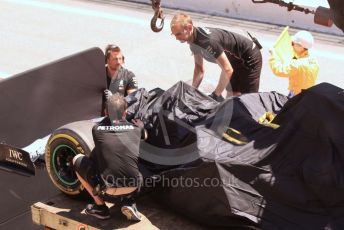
(129, 91)
(226, 73)
(198, 71)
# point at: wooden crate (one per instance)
(62, 212)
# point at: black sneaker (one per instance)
(130, 211)
(99, 211)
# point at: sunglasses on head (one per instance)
(112, 48)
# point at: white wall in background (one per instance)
(246, 9)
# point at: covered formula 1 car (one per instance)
(223, 164)
(229, 164)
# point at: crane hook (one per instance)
(158, 14)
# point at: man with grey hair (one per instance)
(111, 172)
(238, 57)
(116, 106)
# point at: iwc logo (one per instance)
(16, 155)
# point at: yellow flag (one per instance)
(283, 47)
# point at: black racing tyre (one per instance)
(63, 144)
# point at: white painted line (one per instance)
(75, 10)
(4, 74)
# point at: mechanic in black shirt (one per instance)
(239, 57)
(119, 79)
(111, 172)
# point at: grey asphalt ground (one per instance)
(38, 32)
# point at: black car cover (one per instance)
(217, 164)
(213, 162)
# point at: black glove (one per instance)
(216, 98)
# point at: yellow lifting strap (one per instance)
(234, 136)
(267, 119)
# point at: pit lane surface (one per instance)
(37, 32)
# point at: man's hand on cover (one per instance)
(216, 98)
(138, 123)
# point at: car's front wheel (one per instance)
(65, 143)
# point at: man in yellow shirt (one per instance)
(302, 70)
